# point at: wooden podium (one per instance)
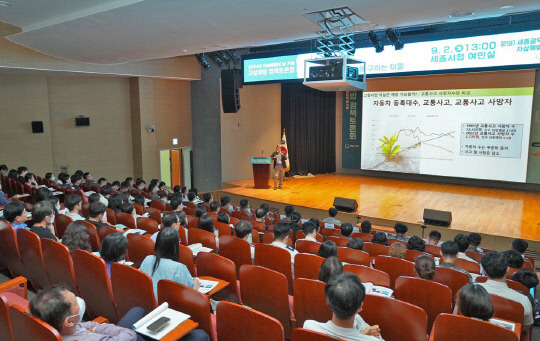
(261, 171)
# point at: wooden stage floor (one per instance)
(499, 212)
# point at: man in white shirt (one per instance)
(332, 212)
(310, 231)
(105, 193)
(345, 295)
(281, 239)
(496, 267)
(169, 219)
(462, 241)
(73, 203)
(242, 230)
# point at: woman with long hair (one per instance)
(164, 263)
(75, 237)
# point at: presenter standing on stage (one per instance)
(279, 162)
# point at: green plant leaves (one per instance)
(387, 146)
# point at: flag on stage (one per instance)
(285, 150)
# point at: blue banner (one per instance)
(351, 129)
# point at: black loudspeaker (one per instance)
(231, 82)
(37, 127)
(82, 121)
(345, 205)
(436, 217)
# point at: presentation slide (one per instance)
(468, 133)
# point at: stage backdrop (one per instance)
(351, 125)
(309, 118)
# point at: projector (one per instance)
(335, 74)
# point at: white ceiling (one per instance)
(101, 31)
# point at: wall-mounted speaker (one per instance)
(82, 121)
(345, 205)
(231, 82)
(436, 217)
(37, 127)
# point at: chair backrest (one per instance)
(5, 321)
(26, 327)
(138, 208)
(61, 222)
(211, 264)
(275, 258)
(398, 320)
(340, 241)
(223, 229)
(153, 214)
(94, 285)
(255, 325)
(449, 327)
(147, 224)
(85, 210)
(265, 290)
(59, 264)
(188, 301)
(32, 258)
(433, 250)
(300, 334)
(234, 220)
(240, 215)
(411, 255)
(394, 267)
(104, 231)
(235, 249)
(331, 232)
(307, 265)
(353, 256)
(310, 301)
(507, 309)
(192, 222)
(158, 205)
(307, 246)
(131, 288)
(367, 274)
(186, 258)
(511, 284)
(453, 279)
(111, 216)
(125, 219)
(207, 239)
(433, 297)
(189, 204)
(10, 250)
(477, 256)
(189, 211)
(257, 226)
(92, 235)
(471, 267)
(375, 250)
(366, 237)
(139, 247)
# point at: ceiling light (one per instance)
(375, 42)
(5, 4)
(201, 57)
(506, 7)
(393, 38)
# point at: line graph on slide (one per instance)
(402, 146)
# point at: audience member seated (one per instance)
(331, 267)
(64, 179)
(259, 217)
(13, 174)
(242, 230)
(115, 186)
(113, 249)
(365, 226)
(289, 209)
(296, 218)
(164, 264)
(327, 249)
(140, 185)
(58, 307)
(76, 182)
(225, 219)
(139, 200)
(281, 239)
(520, 246)
(105, 193)
(93, 197)
(192, 197)
(73, 203)
(514, 259)
(244, 207)
(346, 230)
(176, 203)
(380, 238)
(89, 179)
(310, 231)
(496, 267)
(266, 209)
(50, 176)
(425, 267)
(474, 301)
(530, 280)
(115, 202)
(449, 253)
(124, 187)
(397, 250)
(15, 214)
(130, 209)
(75, 237)
(169, 219)
(3, 170)
(356, 243)
(30, 180)
(96, 212)
(153, 189)
(21, 171)
(416, 243)
(3, 200)
(332, 212)
(463, 244)
(474, 242)
(208, 198)
(214, 207)
(43, 215)
(434, 238)
(42, 194)
(226, 203)
(207, 223)
(344, 295)
(102, 182)
(401, 230)
(200, 210)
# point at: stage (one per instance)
(488, 211)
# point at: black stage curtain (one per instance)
(309, 118)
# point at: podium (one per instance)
(261, 171)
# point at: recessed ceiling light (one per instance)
(221, 46)
(184, 50)
(373, 25)
(5, 4)
(461, 14)
(507, 7)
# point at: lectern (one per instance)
(261, 171)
